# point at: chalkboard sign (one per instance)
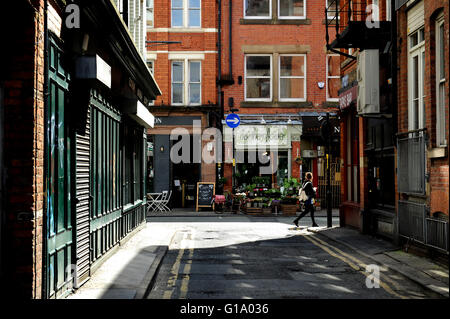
(205, 193)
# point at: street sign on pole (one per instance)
(329, 132)
(232, 120)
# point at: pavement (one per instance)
(132, 270)
(423, 271)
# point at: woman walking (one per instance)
(309, 205)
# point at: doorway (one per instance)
(185, 176)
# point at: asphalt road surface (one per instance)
(259, 258)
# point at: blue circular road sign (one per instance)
(233, 120)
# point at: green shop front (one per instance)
(96, 121)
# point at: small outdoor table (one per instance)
(152, 199)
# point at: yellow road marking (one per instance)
(171, 282)
(362, 264)
(318, 242)
(174, 275)
(186, 277)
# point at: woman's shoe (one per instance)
(315, 225)
(295, 223)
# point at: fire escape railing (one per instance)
(338, 15)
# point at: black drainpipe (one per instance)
(219, 79)
(230, 47)
(394, 68)
(46, 143)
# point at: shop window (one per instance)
(416, 77)
(292, 82)
(258, 84)
(189, 90)
(150, 13)
(283, 168)
(333, 83)
(258, 9)
(292, 9)
(134, 165)
(440, 82)
(186, 13)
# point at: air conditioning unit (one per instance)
(368, 76)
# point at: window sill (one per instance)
(437, 152)
(330, 104)
(275, 21)
(250, 104)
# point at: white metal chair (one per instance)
(164, 203)
(159, 202)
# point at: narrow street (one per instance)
(250, 257)
(162, 150)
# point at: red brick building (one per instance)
(367, 126)
(182, 51)
(423, 122)
(275, 69)
(395, 143)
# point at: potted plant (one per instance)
(289, 205)
(266, 208)
(222, 181)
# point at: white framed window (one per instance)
(258, 9)
(258, 77)
(149, 5)
(186, 82)
(177, 82)
(441, 130)
(195, 83)
(151, 65)
(333, 83)
(194, 16)
(186, 13)
(333, 9)
(292, 9)
(292, 77)
(416, 79)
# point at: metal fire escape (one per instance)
(354, 28)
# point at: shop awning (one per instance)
(312, 124)
(137, 111)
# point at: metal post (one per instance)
(233, 170)
(329, 210)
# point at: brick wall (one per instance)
(202, 40)
(306, 38)
(24, 146)
(310, 35)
